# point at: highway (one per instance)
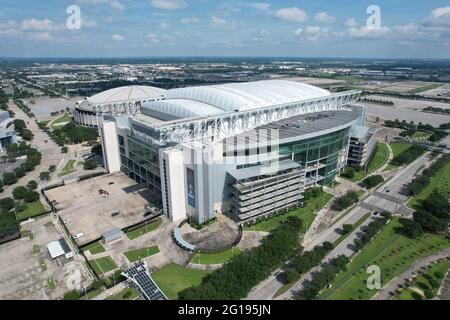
(378, 200)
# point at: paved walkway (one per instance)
(390, 287)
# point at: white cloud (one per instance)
(263, 6)
(324, 17)
(88, 23)
(192, 20)
(168, 4)
(351, 23)
(439, 12)
(291, 14)
(367, 32)
(41, 36)
(153, 38)
(115, 4)
(164, 25)
(223, 24)
(38, 25)
(298, 32)
(261, 36)
(118, 37)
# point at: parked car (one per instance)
(78, 235)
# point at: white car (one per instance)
(67, 221)
(78, 235)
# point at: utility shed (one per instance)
(113, 234)
(59, 248)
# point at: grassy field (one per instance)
(173, 278)
(420, 136)
(31, 210)
(102, 265)
(414, 291)
(355, 225)
(399, 147)
(143, 230)
(91, 294)
(139, 254)
(440, 182)
(306, 214)
(125, 294)
(68, 168)
(61, 121)
(392, 252)
(94, 248)
(380, 157)
(215, 258)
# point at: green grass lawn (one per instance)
(143, 230)
(51, 283)
(61, 121)
(439, 182)
(31, 210)
(215, 258)
(125, 294)
(380, 158)
(94, 248)
(359, 175)
(306, 214)
(173, 278)
(399, 147)
(43, 265)
(102, 265)
(68, 168)
(138, 254)
(435, 273)
(392, 252)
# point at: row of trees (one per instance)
(421, 182)
(237, 277)
(411, 128)
(305, 261)
(324, 278)
(436, 110)
(23, 107)
(379, 101)
(371, 230)
(372, 181)
(345, 201)
(408, 155)
(21, 129)
(432, 216)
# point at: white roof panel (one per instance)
(127, 93)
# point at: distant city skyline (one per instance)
(158, 28)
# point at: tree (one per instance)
(9, 178)
(52, 168)
(1, 185)
(347, 228)
(19, 172)
(372, 181)
(32, 185)
(31, 196)
(64, 149)
(349, 172)
(90, 164)
(6, 204)
(19, 193)
(44, 176)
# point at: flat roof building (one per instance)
(59, 248)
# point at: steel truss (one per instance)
(116, 109)
(232, 123)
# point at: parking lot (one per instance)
(26, 272)
(85, 210)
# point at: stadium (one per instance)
(245, 150)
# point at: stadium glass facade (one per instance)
(319, 155)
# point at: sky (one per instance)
(290, 28)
